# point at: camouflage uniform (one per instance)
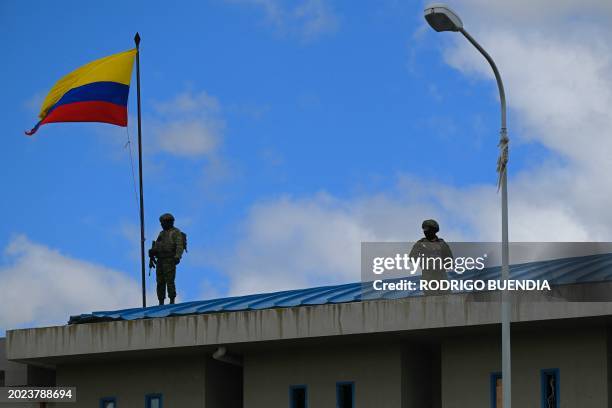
(167, 249)
(432, 247)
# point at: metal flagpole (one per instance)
(142, 230)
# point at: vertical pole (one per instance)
(506, 310)
(142, 230)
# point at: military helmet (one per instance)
(431, 224)
(166, 217)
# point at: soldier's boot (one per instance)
(161, 302)
(171, 301)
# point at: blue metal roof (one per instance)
(584, 269)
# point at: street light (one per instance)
(442, 18)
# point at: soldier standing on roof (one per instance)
(431, 246)
(165, 254)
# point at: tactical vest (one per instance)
(165, 245)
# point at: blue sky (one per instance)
(251, 108)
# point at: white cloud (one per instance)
(188, 125)
(41, 286)
(532, 12)
(558, 75)
(316, 18)
(303, 242)
(294, 243)
(559, 89)
(188, 102)
(309, 19)
(188, 138)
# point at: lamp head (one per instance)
(441, 18)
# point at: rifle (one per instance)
(152, 262)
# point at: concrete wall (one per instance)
(223, 385)
(14, 373)
(180, 380)
(41, 376)
(421, 376)
(186, 381)
(388, 373)
(17, 374)
(579, 354)
(376, 370)
(419, 313)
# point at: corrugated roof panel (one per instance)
(593, 268)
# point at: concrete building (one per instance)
(338, 346)
(14, 374)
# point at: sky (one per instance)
(281, 134)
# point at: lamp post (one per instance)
(442, 18)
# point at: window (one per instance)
(297, 396)
(153, 401)
(345, 394)
(108, 402)
(497, 391)
(550, 387)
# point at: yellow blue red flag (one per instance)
(96, 92)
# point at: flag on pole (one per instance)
(96, 92)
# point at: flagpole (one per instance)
(142, 230)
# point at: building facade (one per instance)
(439, 351)
(330, 346)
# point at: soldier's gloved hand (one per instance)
(151, 264)
(177, 261)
